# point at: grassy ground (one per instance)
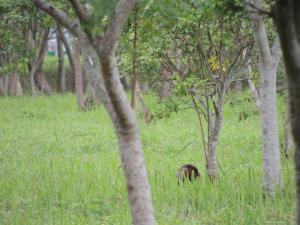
(60, 166)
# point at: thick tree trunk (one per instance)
(78, 75)
(61, 76)
(271, 152)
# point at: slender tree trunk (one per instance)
(36, 65)
(2, 87)
(78, 75)
(61, 76)
(69, 54)
(12, 89)
(268, 62)
(19, 88)
(6, 84)
(105, 74)
(213, 139)
(254, 94)
(132, 156)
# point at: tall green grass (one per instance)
(61, 166)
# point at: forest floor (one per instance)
(61, 166)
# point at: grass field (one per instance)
(61, 166)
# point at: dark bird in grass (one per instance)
(187, 171)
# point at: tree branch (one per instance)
(60, 16)
(80, 10)
(261, 36)
(115, 27)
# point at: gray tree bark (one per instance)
(268, 62)
(100, 55)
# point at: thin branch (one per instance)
(80, 10)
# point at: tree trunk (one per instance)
(12, 89)
(254, 94)
(165, 87)
(36, 65)
(287, 21)
(132, 156)
(61, 76)
(69, 54)
(19, 88)
(2, 87)
(268, 62)
(78, 75)
(271, 152)
(214, 133)
(105, 74)
(42, 82)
